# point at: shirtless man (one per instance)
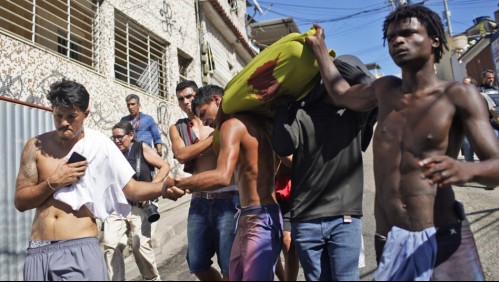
(210, 224)
(421, 124)
(244, 149)
(64, 244)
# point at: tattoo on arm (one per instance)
(28, 173)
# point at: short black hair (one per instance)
(204, 95)
(186, 84)
(68, 94)
(132, 97)
(126, 126)
(428, 18)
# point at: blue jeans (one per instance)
(468, 152)
(329, 248)
(210, 230)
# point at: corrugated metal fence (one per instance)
(18, 123)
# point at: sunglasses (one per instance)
(188, 97)
(114, 137)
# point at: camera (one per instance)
(151, 211)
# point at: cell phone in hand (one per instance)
(75, 157)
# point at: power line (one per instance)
(330, 20)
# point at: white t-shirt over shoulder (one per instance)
(101, 188)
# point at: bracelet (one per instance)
(50, 185)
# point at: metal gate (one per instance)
(18, 123)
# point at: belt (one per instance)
(216, 195)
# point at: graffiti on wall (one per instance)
(167, 20)
(18, 88)
(164, 118)
(13, 87)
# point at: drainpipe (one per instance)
(200, 39)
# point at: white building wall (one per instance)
(229, 53)
(27, 70)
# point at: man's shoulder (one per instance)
(384, 86)
(246, 122)
(234, 122)
(241, 118)
(182, 121)
(48, 134)
(389, 80)
(46, 138)
(145, 116)
(456, 87)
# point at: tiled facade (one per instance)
(27, 70)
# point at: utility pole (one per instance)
(447, 15)
(393, 4)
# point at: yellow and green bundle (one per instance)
(287, 67)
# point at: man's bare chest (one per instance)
(418, 129)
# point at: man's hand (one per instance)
(318, 38)
(170, 191)
(187, 191)
(67, 174)
(173, 193)
(444, 171)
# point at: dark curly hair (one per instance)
(68, 94)
(428, 18)
(204, 95)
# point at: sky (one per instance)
(355, 26)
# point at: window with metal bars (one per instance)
(140, 57)
(64, 26)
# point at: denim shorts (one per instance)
(210, 231)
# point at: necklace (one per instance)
(135, 124)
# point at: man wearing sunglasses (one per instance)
(210, 224)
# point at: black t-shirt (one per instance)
(327, 175)
(145, 168)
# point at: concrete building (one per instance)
(471, 52)
(114, 48)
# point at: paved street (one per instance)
(482, 208)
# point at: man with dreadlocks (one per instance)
(421, 231)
